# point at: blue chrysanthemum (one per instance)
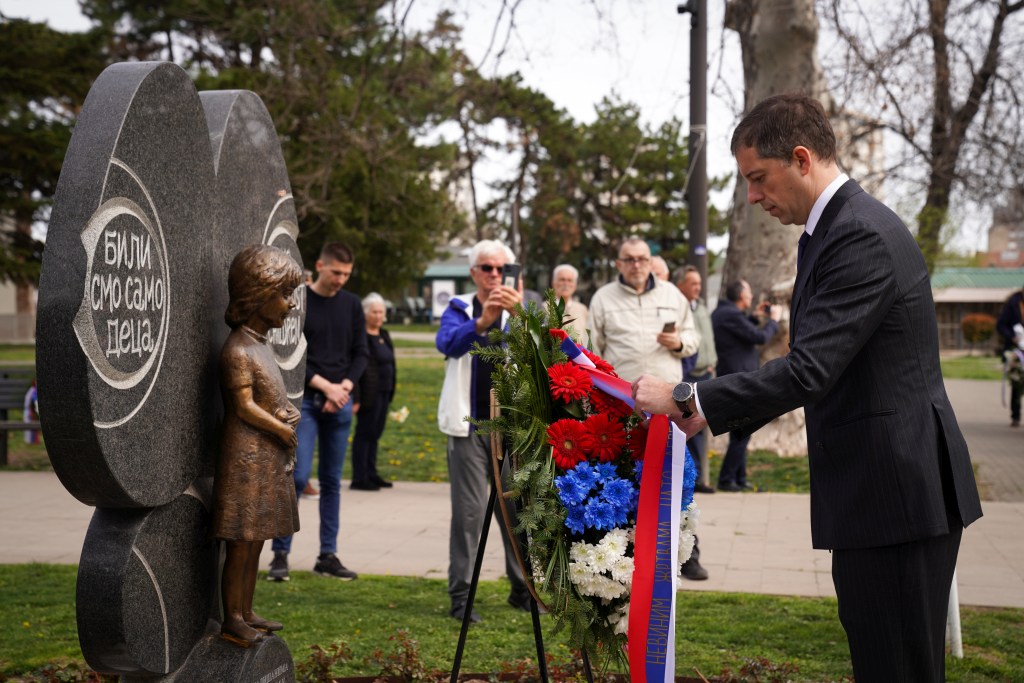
(575, 521)
(571, 491)
(618, 492)
(689, 479)
(606, 470)
(598, 514)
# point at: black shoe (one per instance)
(459, 612)
(330, 565)
(364, 486)
(278, 568)
(380, 481)
(747, 486)
(729, 486)
(701, 488)
(693, 571)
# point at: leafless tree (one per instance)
(940, 77)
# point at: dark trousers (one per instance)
(1016, 390)
(369, 426)
(734, 465)
(892, 603)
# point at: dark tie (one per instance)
(804, 237)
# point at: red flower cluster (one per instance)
(569, 382)
(608, 436)
(570, 442)
(603, 403)
(601, 364)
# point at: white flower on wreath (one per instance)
(619, 618)
(687, 532)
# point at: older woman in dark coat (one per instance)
(376, 391)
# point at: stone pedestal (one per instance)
(160, 188)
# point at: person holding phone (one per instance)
(639, 323)
(466, 393)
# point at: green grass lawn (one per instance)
(978, 366)
(714, 630)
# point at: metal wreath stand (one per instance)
(499, 465)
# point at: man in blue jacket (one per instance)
(466, 393)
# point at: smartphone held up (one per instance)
(510, 275)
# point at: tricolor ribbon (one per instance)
(652, 601)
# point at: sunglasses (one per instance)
(488, 268)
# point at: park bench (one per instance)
(14, 382)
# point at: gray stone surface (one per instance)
(121, 333)
(214, 659)
(145, 586)
(254, 205)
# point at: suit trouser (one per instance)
(892, 603)
(469, 471)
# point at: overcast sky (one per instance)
(576, 52)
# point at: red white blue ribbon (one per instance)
(652, 602)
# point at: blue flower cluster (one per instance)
(596, 497)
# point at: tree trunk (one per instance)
(779, 43)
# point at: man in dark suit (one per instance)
(891, 480)
(737, 336)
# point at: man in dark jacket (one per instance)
(892, 486)
(737, 336)
(1011, 328)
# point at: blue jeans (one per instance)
(332, 429)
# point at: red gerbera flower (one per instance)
(608, 436)
(569, 382)
(570, 442)
(637, 441)
(603, 403)
(602, 365)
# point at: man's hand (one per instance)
(670, 340)
(337, 396)
(654, 396)
(689, 425)
(501, 299)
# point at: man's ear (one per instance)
(802, 159)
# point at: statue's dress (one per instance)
(254, 490)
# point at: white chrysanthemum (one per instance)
(622, 571)
(603, 559)
(579, 572)
(689, 517)
(615, 542)
(578, 552)
(619, 618)
(686, 542)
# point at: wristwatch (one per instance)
(682, 394)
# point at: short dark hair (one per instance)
(734, 289)
(778, 124)
(336, 251)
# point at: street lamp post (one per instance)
(697, 178)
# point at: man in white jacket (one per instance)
(640, 324)
(466, 393)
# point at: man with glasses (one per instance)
(640, 324)
(466, 393)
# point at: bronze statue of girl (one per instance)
(254, 490)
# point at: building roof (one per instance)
(980, 278)
(975, 285)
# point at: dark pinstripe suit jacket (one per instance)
(864, 361)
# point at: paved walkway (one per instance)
(756, 542)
